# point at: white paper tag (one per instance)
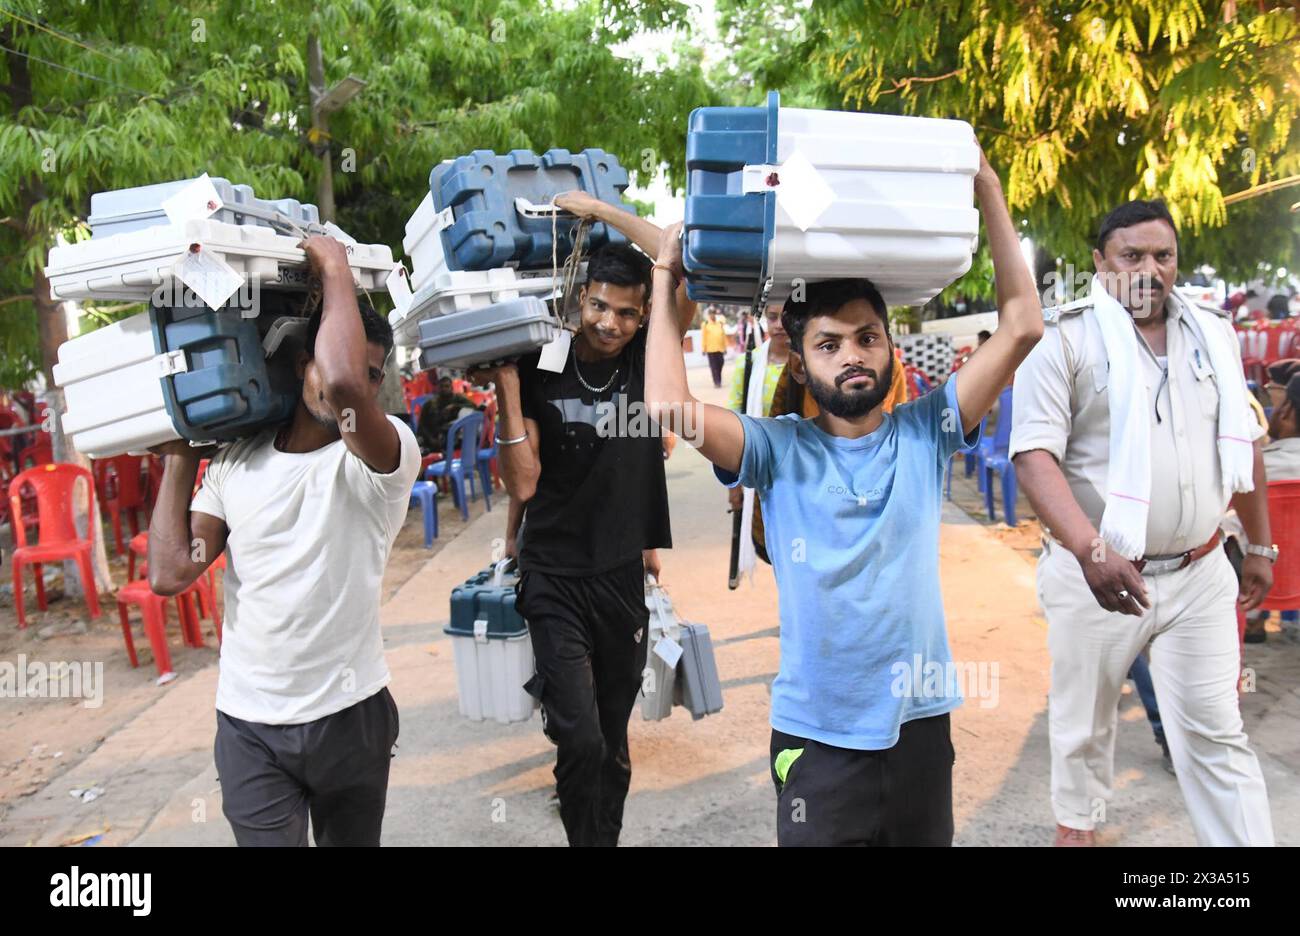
(210, 276)
(399, 288)
(555, 353)
(668, 650)
(802, 192)
(196, 201)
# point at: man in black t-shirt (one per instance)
(579, 451)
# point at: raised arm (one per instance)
(519, 448)
(645, 234)
(1020, 314)
(182, 542)
(342, 358)
(715, 431)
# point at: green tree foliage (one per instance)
(1080, 105)
(129, 94)
(1085, 104)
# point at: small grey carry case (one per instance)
(697, 672)
(497, 332)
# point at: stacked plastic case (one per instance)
(124, 210)
(491, 646)
(487, 233)
(495, 210)
(133, 265)
(451, 292)
(179, 372)
(184, 370)
(493, 333)
(892, 201)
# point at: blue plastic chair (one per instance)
(997, 460)
(485, 455)
(426, 492)
(416, 405)
(463, 435)
(969, 459)
(992, 445)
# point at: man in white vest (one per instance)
(1131, 435)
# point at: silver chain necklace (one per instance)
(609, 383)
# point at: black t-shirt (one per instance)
(601, 498)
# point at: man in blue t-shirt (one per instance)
(861, 748)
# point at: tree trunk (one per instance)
(53, 327)
(320, 129)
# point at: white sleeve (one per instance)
(395, 485)
(208, 499)
(1040, 399)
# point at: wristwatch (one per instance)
(1268, 552)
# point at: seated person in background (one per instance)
(437, 415)
(1282, 453)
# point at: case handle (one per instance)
(499, 570)
(531, 209)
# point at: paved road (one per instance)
(457, 782)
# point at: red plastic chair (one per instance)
(7, 473)
(54, 486)
(419, 385)
(139, 546)
(1284, 521)
(27, 505)
(40, 452)
(122, 489)
(9, 445)
(153, 608)
(1264, 344)
(153, 473)
(488, 446)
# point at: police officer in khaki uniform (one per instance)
(1179, 594)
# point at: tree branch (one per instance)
(901, 84)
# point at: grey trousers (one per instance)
(335, 768)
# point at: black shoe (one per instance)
(1255, 632)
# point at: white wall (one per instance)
(962, 328)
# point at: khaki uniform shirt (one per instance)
(1060, 404)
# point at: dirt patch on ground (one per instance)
(1025, 537)
(46, 732)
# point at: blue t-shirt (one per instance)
(852, 529)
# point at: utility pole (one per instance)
(324, 103)
(319, 135)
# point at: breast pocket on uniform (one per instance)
(1100, 377)
(1207, 386)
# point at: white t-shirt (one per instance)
(310, 535)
